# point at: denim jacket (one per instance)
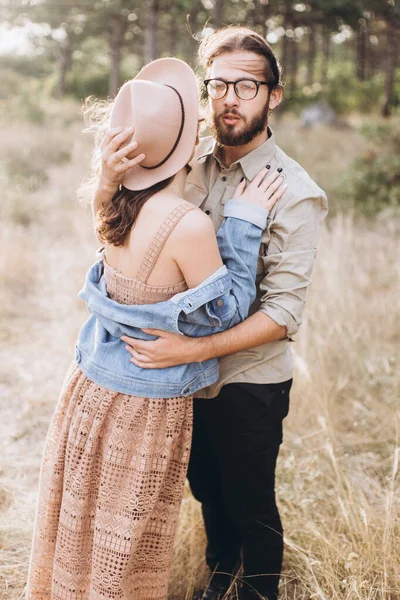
(219, 302)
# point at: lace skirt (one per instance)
(111, 485)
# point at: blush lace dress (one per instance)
(112, 476)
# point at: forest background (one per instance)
(337, 479)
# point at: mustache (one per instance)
(230, 111)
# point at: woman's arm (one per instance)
(199, 253)
(114, 164)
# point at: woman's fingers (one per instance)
(276, 196)
(256, 181)
(264, 190)
(240, 188)
(118, 138)
(270, 187)
(111, 133)
(134, 161)
(123, 152)
(113, 154)
(269, 180)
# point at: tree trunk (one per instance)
(151, 33)
(311, 54)
(294, 62)
(218, 12)
(116, 40)
(64, 64)
(172, 37)
(372, 61)
(391, 64)
(362, 49)
(285, 48)
(326, 53)
(254, 15)
(190, 43)
(265, 11)
(259, 16)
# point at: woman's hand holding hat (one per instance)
(114, 159)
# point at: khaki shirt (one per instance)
(286, 254)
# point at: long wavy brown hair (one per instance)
(114, 221)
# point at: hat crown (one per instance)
(157, 116)
(161, 105)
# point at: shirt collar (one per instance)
(252, 162)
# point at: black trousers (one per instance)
(235, 446)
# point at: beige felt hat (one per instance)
(161, 104)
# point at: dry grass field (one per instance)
(338, 480)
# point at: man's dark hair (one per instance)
(241, 39)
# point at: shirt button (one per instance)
(208, 212)
(220, 303)
(224, 178)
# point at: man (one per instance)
(237, 434)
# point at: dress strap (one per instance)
(157, 244)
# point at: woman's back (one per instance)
(161, 254)
(143, 271)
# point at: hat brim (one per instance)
(178, 74)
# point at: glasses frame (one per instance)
(234, 83)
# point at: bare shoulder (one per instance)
(194, 225)
(194, 247)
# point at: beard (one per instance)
(226, 135)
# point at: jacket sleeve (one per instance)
(239, 239)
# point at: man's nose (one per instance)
(231, 99)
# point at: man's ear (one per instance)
(275, 98)
(200, 122)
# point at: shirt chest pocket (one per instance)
(195, 194)
(227, 195)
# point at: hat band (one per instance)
(164, 160)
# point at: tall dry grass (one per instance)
(337, 480)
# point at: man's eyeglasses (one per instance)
(245, 89)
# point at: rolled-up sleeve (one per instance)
(288, 260)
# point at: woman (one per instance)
(117, 451)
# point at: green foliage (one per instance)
(26, 103)
(90, 70)
(346, 94)
(25, 85)
(372, 182)
(343, 92)
(38, 66)
(81, 85)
